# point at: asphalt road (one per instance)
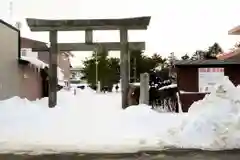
(169, 155)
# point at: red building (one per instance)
(190, 77)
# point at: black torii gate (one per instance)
(88, 25)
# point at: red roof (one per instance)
(228, 55)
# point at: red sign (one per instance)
(211, 69)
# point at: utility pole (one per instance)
(135, 69)
(96, 54)
(172, 61)
(129, 67)
(98, 85)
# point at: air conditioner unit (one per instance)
(23, 52)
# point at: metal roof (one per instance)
(207, 62)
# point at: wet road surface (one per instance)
(165, 155)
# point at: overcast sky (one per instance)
(178, 26)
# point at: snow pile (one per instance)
(90, 122)
(214, 122)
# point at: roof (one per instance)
(207, 62)
(234, 31)
(83, 24)
(9, 25)
(33, 40)
(30, 43)
(67, 53)
(233, 54)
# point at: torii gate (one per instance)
(88, 25)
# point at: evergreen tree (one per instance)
(185, 57)
(108, 69)
(141, 63)
(213, 51)
(199, 54)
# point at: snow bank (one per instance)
(90, 122)
(214, 122)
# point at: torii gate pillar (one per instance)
(124, 71)
(52, 91)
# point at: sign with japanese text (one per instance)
(208, 78)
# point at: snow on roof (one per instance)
(68, 54)
(168, 86)
(136, 84)
(185, 92)
(40, 64)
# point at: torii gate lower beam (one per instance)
(110, 46)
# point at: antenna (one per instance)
(10, 11)
(18, 25)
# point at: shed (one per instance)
(17, 77)
(196, 77)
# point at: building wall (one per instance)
(30, 79)
(9, 70)
(63, 63)
(187, 79)
(188, 99)
(233, 73)
(44, 56)
(31, 82)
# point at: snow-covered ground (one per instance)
(90, 122)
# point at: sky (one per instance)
(179, 26)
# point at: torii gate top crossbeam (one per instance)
(137, 23)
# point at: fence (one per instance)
(162, 97)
